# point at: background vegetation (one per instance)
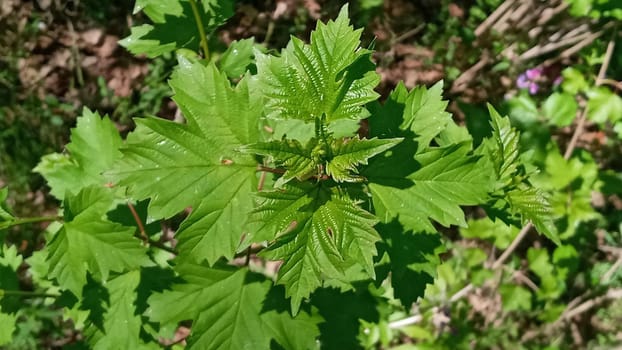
(554, 67)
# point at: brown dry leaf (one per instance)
(60, 58)
(280, 10)
(108, 47)
(88, 61)
(122, 80)
(455, 10)
(92, 37)
(314, 9)
(6, 7)
(486, 305)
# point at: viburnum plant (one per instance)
(284, 157)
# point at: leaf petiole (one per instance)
(27, 294)
(22, 221)
(199, 22)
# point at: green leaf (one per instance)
(503, 147)
(238, 56)
(524, 200)
(515, 298)
(157, 9)
(436, 183)
(343, 313)
(9, 257)
(5, 215)
(318, 236)
(414, 257)
(348, 153)
(573, 82)
(424, 113)
(524, 110)
(332, 76)
(420, 111)
(8, 322)
(122, 326)
(496, 231)
(93, 149)
(560, 109)
(89, 243)
(580, 8)
(174, 26)
(197, 164)
(230, 309)
(603, 105)
(452, 134)
(532, 204)
(297, 159)
(9, 281)
(303, 132)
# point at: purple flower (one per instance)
(533, 73)
(529, 80)
(522, 82)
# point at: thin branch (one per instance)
(27, 294)
(613, 83)
(612, 294)
(512, 247)
(610, 249)
(161, 245)
(521, 277)
(612, 270)
(270, 170)
(248, 256)
(139, 222)
(22, 221)
(405, 322)
(408, 34)
(601, 75)
(199, 22)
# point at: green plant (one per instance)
(274, 167)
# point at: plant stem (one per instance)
(270, 170)
(139, 222)
(32, 220)
(160, 245)
(28, 294)
(199, 21)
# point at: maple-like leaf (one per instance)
(174, 25)
(238, 57)
(346, 154)
(6, 218)
(518, 196)
(415, 182)
(504, 147)
(121, 325)
(418, 114)
(197, 164)
(8, 322)
(5, 215)
(88, 242)
(230, 309)
(413, 260)
(10, 261)
(437, 182)
(332, 76)
(318, 236)
(296, 158)
(93, 149)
